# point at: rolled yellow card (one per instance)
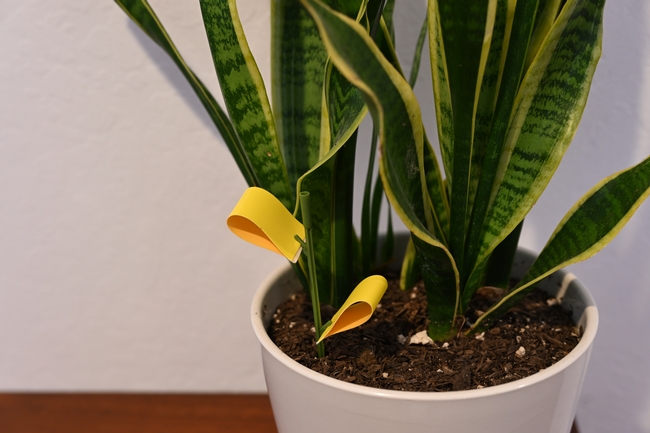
(261, 219)
(359, 306)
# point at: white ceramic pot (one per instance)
(308, 402)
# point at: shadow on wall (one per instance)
(174, 76)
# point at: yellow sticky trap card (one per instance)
(359, 306)
(261, 219)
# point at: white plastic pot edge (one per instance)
(590, 319)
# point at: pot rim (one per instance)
(591, 326)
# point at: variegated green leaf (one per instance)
(328, 184)
(547, 12)
(547, 111)
(513, 70)
(297, 68)
(487, 100)
(298, 65)
(388, 17)
(401, 137)
(437, 194)
(350, 8)
(343, 110)
(410, 273)
(438, 202)
(143, 15)
(372, 199)
(245, 95)
(440, 277)
(466, 28)
(438, 199)
(346, 108)
(588, 227)
(441, 91)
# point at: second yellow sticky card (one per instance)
(359, 306)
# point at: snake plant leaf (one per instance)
(547, 111)
(298, 62)
(245, 96)
(388, 17)
(586, 229)
(410, 273)
(372, 205)
(328, 184)
(547, 12)
(490, 85)
(466, 29)
(331, 179)
(440, 277)
(342, 270)
(435, 187)
(300, 71)
(439, 202)
(342, 111)
(372, 199)
(351, 8)
(346, 108)
(386, 45)
(401, 137)
(513, 69)
(143, 15)
(441, 91)
(437, 193)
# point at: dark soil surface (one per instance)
(531, 337)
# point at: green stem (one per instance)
(368, 235)
(313, 284)
(325, 326)
(375, 24)
(368, 242)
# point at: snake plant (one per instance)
(510, 79)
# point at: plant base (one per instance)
(387, 352)
(545, 402)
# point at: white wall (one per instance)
(117, 271)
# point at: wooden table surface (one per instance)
(131, 413)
